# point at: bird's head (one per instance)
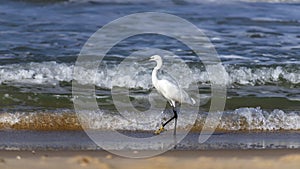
(155, 58)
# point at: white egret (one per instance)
(170, 91)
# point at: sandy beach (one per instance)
(217, 159)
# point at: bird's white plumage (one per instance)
(169, 90)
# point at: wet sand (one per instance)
(213, 159)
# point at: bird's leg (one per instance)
(175, 116)
(161, 129)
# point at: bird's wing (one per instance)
(171, 91)
(169, 88)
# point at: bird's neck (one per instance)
(154, 76)
(158, 64)
(154, 72)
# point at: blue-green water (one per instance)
(258, 43)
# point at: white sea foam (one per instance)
(139, 76)
(9, 119)
(258, 119)
(233, 57)
(36, 73)
(263, 75)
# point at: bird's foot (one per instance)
(161, 129)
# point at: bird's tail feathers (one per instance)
(187, 99)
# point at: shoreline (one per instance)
(280, 158)
(80, 141)
(223, 153)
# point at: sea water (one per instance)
(258, 43)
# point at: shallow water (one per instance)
(78, 140)
(258, 43)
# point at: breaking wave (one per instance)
(242, 119)
(139, 76)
